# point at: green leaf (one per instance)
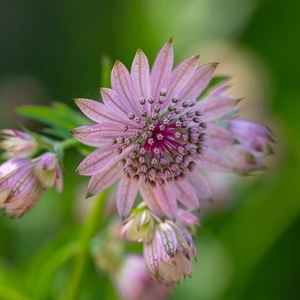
(61, 118)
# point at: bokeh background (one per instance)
(51, 51)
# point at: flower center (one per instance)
(167, 142)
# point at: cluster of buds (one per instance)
(168, 245)
(23, 180)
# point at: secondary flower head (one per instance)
(153, 132)
(168, 255)
(17, 143)
(134, 283)
(22, 182)
(168, 245)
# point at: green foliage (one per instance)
(61, 118)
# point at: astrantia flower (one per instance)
(22, 182)
(168, 245)
(134, 283)
(168, 256)
(17, 143)
(154, 134)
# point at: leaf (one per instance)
(61, 118)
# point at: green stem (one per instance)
(92, 225)
(68, 143)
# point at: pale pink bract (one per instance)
(156, 136)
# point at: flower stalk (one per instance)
(92, 225)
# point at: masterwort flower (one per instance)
(17, 143)
(168, 245)
(22, 182)
(153, 132)
(134, 283)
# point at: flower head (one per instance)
(134, 283)
(168, 255)
(17, 143)
(168, 245)
(22, 182)
(156, 136)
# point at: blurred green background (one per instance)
(51, 51)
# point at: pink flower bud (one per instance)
(17, 144)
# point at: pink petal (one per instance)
(186, 195)
(244, 162)
(162, 68)
(126, 193)
(96, 135)
(22, 182)
(182, 245)
(122, 83)
(245, 127)
(213, 161)
(198, 82)
(112, 100)
(152, 255)
(101, 181)
(216, 106)
(140, 74)
(100, 160)
(219, 137)
(150, 200)
(98, 113)
(168, 243)
(180, 77)
(11, 166)
(166, 198)
(187, 218)
(94, 162)
(219, 90)
(200, 185)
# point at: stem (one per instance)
(68, 143)
(92, 225)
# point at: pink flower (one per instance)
(168, 255)
(22, 182)
(168, 245)
(154, 134)
(134, 283)
(17, 143)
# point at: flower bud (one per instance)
(139, 227)
(22, 182)
(17, 144)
